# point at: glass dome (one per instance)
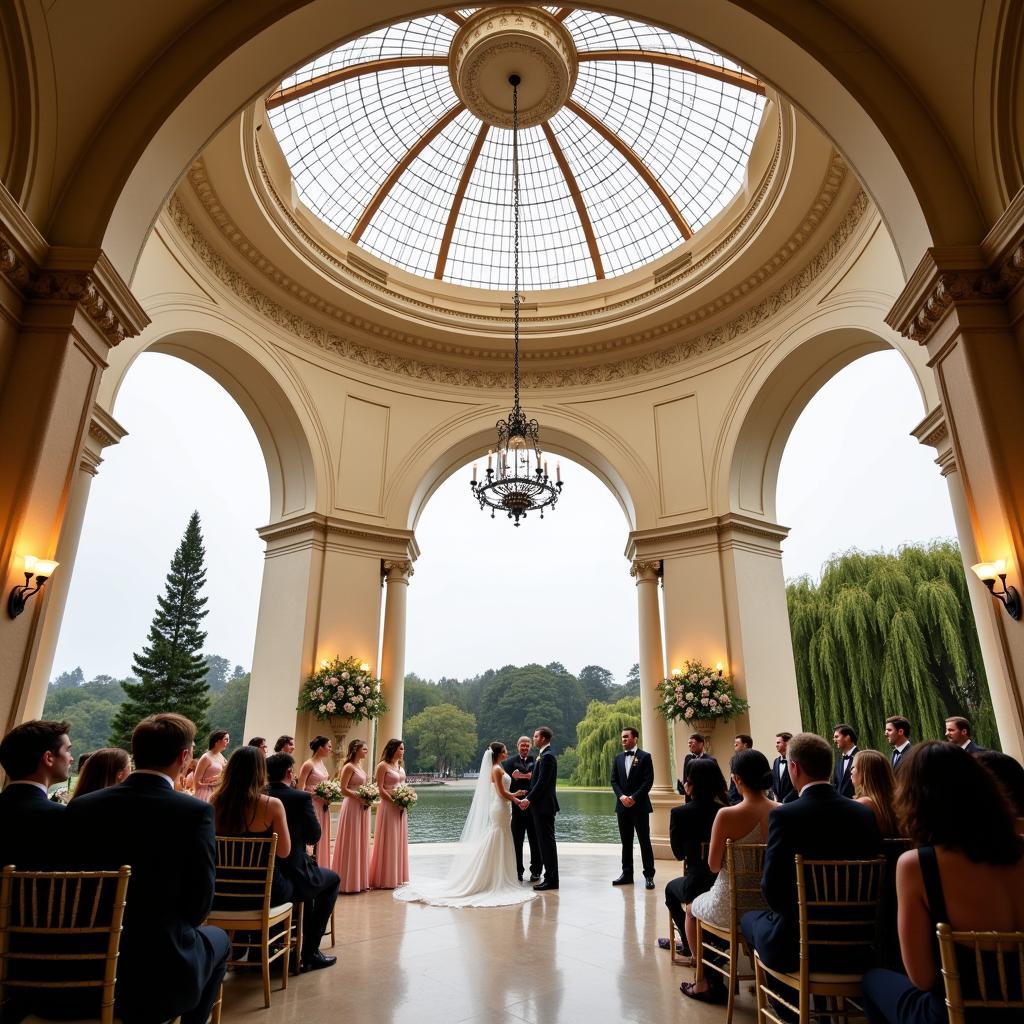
(650, 145)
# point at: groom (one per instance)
(543, 806)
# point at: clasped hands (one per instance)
(520, 803)
(626, 801)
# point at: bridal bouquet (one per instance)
(369, 794)
(342, 688)
(404, 796)
(329, 791)
(698, 693)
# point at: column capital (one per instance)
(397, 571)
(933, 431)
(643, 571)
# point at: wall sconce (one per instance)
(676, 673)
(987, 573)
(42, 569)
(719, 668)
(363, 667)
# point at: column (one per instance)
(653, 729)
(392, 653)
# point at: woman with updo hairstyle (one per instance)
(389, 862)
(745, 822)
(1009, 773)
(874, 785)
(106, 767)
(351, 859)
(314, 771)
(211, 765)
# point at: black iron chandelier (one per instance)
(518, 483)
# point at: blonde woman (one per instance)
(874, 784)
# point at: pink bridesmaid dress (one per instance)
(389, 863)
(352, 844)
(208, 783)
(317, 774)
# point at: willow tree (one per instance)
(598, 739)
(889, 634)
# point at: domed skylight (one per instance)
(651, 144)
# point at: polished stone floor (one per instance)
(587, 953)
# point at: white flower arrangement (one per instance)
(342, 688)
(329, 791)
(404, 796)
(369, 794)
(699, 693)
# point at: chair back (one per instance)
(245, 872)
(989, 965)
(744, 863)
(61, 930)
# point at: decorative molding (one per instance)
(665, 541)
(316, 526)
(932, 430)
(104, 429)
(640, 569)
(399, 570)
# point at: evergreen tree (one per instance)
(171, 669)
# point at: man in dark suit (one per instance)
(169, 964)
(897, 734)
(958, 731)
(632, 778)
(35, 756)
(782, 784)
(519, 768)
(543, 805)
(695, 744)
(821, 825)
(315, 887)
(740, 742)
(845, 738)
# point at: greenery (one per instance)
(343, 689)
(171, 670)
(89, 707)
(697, 693)
(889, 634)
(445, 737)
(567, 762)
(599, 739)
(227, 710)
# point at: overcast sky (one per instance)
(484, 594)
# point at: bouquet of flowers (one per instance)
(342, 688)
(404, 796)
(698, 693)
(369, 794)
(329, 791)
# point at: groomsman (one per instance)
(632, 778)
(897, 733)
(958, 731)
(845, 739)
(740, 742)
(520, 768)
(697, 751)
(782, 784)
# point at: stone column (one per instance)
(653, 729)
(392, 652)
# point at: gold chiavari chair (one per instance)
(674, 938)
(996, 977)
(61, 931)
(838, 903)
(245, 874)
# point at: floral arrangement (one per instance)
(698, 693)
(404, 796)
(329, 791)
(369, 794)
(342, 688)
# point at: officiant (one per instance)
(520, 768)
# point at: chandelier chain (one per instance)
(515, 235)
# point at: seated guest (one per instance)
(169, 966)
(1009, 773)
(77, 774)
(259, 743)
(105, 767)
(285, 745)
(315, 886)
(821, 825)
(967, 872)
(695, 745)
(958, 731)
(35, 756)
(689, 827)
(740, 742)
(745, 822)
(845, 739)
(782, 785)
(897, 734)
(874, 785)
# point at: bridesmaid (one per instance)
(389, 863)
(352, 846)
(311, 774)
(211, 764)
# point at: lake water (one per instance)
(441, 811)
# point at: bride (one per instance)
(483, 873)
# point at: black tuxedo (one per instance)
(522, 821)
(169, 965)
(897, 762)
(843, 782)
(686, 768)
(821, 825)
(636, 819)
(31, 829)
(305, 881)
(543, 807)
(782, 784)
(973, 748)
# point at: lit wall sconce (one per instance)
(364, 667)
(719, 668)
(42, 569)
(676, 673)
(987, 573)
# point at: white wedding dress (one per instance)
(484, 871)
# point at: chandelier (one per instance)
(517, 480)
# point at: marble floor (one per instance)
(587, 953)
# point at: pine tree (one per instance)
(171, 669)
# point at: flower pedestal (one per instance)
(705, 726)
(338, 728)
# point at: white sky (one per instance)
(484, 594)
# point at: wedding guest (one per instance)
(314, 770)
(874, 785)
(169, 965)
(958, 731)
(285, 745)
(211, 765)
(897, 734)
(967, 871)
(745, 822)
(35, 756)
(108, 766)
(186, 780)
(845, 738)
(740, 742)
(696, 752)
(77, 774)
(689, 827)
(632, 779)
(351, 861)
(259, 743)
(389, 862)
(314, 886)
(520, 769)
(1009, 773)
(782, 785)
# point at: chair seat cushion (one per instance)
(247, 915)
